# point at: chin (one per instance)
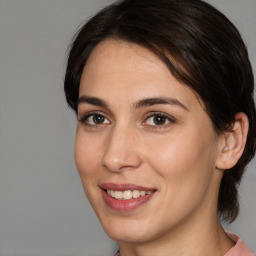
(122, 230)
(128, 237)
(131, 231)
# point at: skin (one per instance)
(181, 157)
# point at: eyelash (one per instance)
(84, 119)
(168, 118)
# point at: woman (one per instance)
(163, 92)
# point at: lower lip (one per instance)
(125, 205)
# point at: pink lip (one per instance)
(124, 205)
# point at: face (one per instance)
(145, 148)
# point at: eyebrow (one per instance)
(162, 100)
(139, 104)
(92, 101)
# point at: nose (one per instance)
(121, 151)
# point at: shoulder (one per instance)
(240, 249)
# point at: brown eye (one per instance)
(94, 120)
(159, 120)
(98, 119)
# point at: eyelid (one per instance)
(85, 117)
(171, 119)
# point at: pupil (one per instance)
(98, 119)
(158, 120)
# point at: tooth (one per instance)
(136, 193)
(127, 194)
(142, 193)
(118, 194)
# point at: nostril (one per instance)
(124, 161)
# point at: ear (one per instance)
(232, 143)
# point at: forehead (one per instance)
(119, 69)
(122, 55)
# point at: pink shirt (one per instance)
(240, 249)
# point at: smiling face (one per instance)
(145, 148)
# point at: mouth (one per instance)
(125, 197)
(127, 194)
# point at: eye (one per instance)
(97, 119)
(94, 119)
(158, 119)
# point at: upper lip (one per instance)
(124, 187)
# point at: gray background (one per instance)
(43, 210)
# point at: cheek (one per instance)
(185, 150)
(87, 162)
(185, 163)
(87, 154)
(185, 174)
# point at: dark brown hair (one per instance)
(207, 54)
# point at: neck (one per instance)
(192, 238)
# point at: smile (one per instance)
(127, 194)
(125, 197)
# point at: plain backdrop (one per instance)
(43, 209)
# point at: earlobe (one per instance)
(232, 143)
